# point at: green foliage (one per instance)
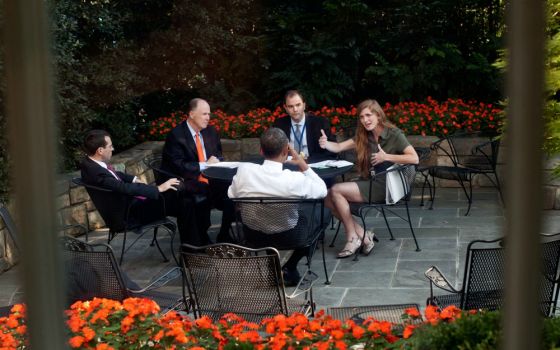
(316, 48)
(434, 48)
(551, 334)
(552, 64)
(481, 331)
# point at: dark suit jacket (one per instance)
(179, 152)
(95, 174)
(313, 126)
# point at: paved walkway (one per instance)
(392, 273)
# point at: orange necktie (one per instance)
(201, 158)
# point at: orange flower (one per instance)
(357, 332)
(76, 341)
(204, 322)
(408, 331)
(412, 312)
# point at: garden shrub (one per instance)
(479, 331)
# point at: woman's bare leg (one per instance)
(337, 200)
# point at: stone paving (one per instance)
(392, 273)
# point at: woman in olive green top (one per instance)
(378, 145)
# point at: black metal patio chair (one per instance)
(223, 278)
(483, 279)
(115, 212)
(92, 271)
(461, 167)
(160, 175)
(286, 223)
(404, 177)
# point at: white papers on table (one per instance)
(394, 189)
(330, 164)
(230, 165)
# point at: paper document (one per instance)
(230, 165)
(330, 164)
(394, 189)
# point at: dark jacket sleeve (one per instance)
(317, 124)
(94, 174)
(177, 158)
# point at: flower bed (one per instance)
(426, 118)
(136, 324)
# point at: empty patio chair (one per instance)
(404, 177)
(223, 278)
(92, 271)
(285, 223)
(482, 159)
(483, 278)
(115, 212)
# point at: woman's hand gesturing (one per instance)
(323, 140)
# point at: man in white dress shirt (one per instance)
(270, 180)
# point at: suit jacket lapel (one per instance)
(208, 142)
(189, 140)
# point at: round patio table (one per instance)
(227, 174)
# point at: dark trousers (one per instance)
(170, 203)
(204, 198)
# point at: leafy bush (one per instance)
(479, 331)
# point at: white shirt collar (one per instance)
(272, 164)
(301, 122)
(193, 132)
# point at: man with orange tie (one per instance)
(188, 150)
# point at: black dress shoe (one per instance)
(291, 277)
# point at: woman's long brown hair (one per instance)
(362, 147)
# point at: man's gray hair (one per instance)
(273, 142)
(194, 103)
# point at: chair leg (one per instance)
(411, 229)
(434, 193)
(122, 250)
(154, 239)
(387, 223)
(499, 187)
(336, 234)
(469, 196)
(327, 281)
(423, 188)
(332, 222)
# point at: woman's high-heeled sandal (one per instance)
(368, 247)
(350, 248)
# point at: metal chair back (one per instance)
(300, 219)
(549, 284)
(10, 225)
(484, 276)
(91, 271)
(225, 278)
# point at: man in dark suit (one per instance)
(188, 150)
(304, 129)
(147, 205)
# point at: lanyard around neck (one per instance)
(300, 139)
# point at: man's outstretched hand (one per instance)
(170, 184)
